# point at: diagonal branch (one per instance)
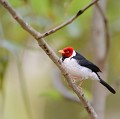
(63, 90)
(69, 21)
(92, 114)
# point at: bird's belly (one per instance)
(76, 70)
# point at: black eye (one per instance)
(67, 51)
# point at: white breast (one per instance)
(78, 71)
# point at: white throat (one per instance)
(73, 54)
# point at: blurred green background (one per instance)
(26, 72)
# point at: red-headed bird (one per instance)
(80, 68)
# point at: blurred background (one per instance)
(31, 86)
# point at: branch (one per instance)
(59, 86)
(52, 55)
(69, 21)
(107, 31)
(99, 50)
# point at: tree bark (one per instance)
(99, 51)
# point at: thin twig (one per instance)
(69, 21)
(107, 32)
(91, 112)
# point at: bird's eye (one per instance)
(67, 51)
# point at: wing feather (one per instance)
(84, 62)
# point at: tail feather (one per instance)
(107, 86)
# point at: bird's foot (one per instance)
(80, 88)
(80, 84)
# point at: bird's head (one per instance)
(66, 52)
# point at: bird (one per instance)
(79, 68)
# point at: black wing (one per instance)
(84, 62)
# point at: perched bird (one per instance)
(79, 68)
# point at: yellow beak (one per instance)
(61, 51)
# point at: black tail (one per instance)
(107, 86)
